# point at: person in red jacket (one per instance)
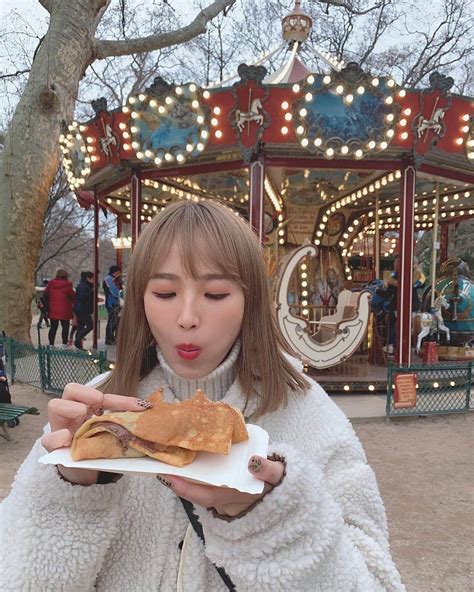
(60, 295)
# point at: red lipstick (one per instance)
(188, 351)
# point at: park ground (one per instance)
(425, 471)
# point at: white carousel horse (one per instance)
(252, 115)
(433, 321)
(434, 123)
(338, 336)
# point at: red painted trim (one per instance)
(323, 163)
(114, 187)
(405, 279)
(229, 165)
(95, 318)
(443, 243)
(135, 207)
(447, 173)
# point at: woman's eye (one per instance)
(216, 296)
(164, 295)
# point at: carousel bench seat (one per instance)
(346, 310)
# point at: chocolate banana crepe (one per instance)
(170, 432)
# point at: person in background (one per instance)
(112, 302)
(84, 306)
(42, 304)
(60, 295)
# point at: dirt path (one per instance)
(425, 471)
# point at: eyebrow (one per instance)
(205, 276)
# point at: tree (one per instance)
(30, 157)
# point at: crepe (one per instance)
(170, 432)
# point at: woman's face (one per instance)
(194, 321)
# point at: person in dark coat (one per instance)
(60, 295)
(83, 306)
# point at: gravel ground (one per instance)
(425, 473)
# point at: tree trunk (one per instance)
(31, 155)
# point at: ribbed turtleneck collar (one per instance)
(215, 385)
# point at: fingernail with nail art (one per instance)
(144, 404)
(163, 480)
(255, 464)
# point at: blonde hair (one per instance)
(211, 233)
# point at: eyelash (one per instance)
(168, 295)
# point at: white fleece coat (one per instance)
(322, 529)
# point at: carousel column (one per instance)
(405, 270)
(118, 252)
(136, 206)
(257, 198)
(96, 273)
(377, 238)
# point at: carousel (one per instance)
(338, 171)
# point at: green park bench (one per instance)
(9, 415)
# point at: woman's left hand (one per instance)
(226, 501)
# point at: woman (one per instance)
(198, 314)
(60, 295)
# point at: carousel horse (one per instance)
(252, 115)
(337, 336)
(432, 321)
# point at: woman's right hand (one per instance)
(66, 415)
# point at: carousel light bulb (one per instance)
(326, 79)
(407, 111)
(282, 241)
(206, 94)
(300, 129)
(200, 119)
(195, 104)
(134, 129)
(339, 89)
(375, 81)
(216, 110)
(126, 135)
(284, 130)
(214, 121)
(205, 134)
(285, 105)
(360, 90)
(132, 100)
(330, 152)
(148, 153)
(465, 117)
(180, 158)
(310, 79)
(344, 149)
(158, 161)
(308, 97)
(389, 133)
(126, 146)
(218, 134)
(135, 145)
(402, 93)
(318, 141)
(390, 117)
(189, 147)
(192, 87)
(391, 82)
(140, 155)
(304, 142)
(288, 116)
(459, 141)
(371, 144)
(383, 145)
(402, 122)
(168, 156)
(303, 112)
(358, 153)
(178, 90)
(389, 100)
(200, 146)
(296, 88)
(349, 98)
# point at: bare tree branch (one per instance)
(104, 48)
(13, 75)
(348, 6)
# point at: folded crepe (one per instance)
(170, 432)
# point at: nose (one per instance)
(189, 316)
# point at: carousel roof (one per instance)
(334, 140)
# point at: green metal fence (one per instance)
(52, 368)
(440, 388)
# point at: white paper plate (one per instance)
(214, 469)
